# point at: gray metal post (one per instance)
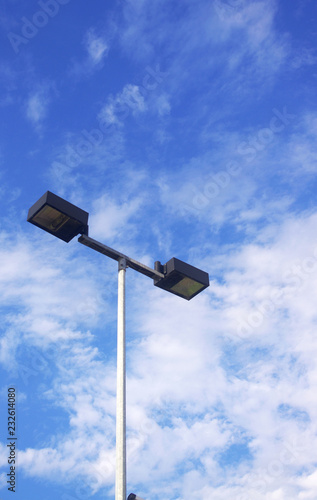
(121, 388)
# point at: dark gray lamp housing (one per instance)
(182, 279)
(132, 496)
(58, 217)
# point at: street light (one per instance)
(58, 217)
(65, 221)
(181, 279)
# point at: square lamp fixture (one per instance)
(58, 217)
(181, 279)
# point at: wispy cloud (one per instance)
(96, 48)
(38, 102)
(36, 108)
(109, 218)
(118, 107)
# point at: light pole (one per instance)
(121, 465)
(65, 221)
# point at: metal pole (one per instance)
(121, 388)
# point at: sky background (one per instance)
(186, 129)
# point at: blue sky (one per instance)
(185, 129)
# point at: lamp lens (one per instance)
(187, 287)
(50, 218)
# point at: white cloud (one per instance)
(96, 46)
(309, 483)
(257, 51)
(228, 187)
(37, 106)
(110, 219)
(301, 148)
(119, 107)
(304, 57)
(55, 316)
(251, 399)
(253, 22)
(163, 105)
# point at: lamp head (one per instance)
(58, 217)
(182, 279)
